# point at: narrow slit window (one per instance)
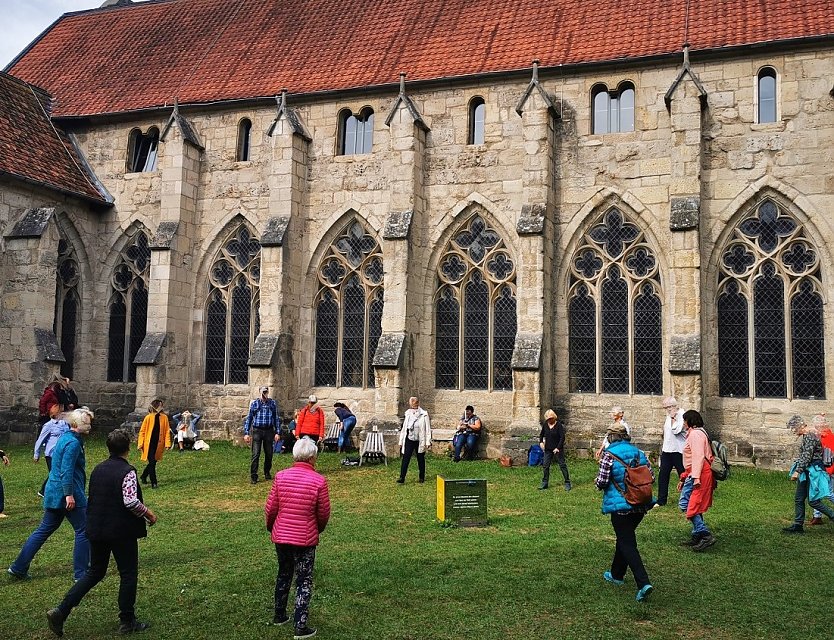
(477, 114)
(244, 140)
(767, 95)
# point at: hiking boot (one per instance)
(268, 475)
(133, 627)
(704, 543)
(691, 542)
(542, 486)
(304, 632)
(17, 576)
(644, 592)
(400, 480)
(816, 521)
(280, 618)
(567, 486)
(794, 528)
(609, 578)
(55, 619)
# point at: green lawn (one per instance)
(387, 570)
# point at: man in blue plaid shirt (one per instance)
(261, 426)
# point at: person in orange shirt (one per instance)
(696, 484)
(154, 439)
(310, 422)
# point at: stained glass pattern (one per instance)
(128, 307)
(349, 306)
(232, 308)
(769, 282)
(475, 310)
(614, 311)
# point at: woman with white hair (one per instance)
(64, 497)
(297, 511)
(671, 451)
(310, 422)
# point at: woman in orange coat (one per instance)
(154, 439)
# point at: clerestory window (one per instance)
(142, 150)
(356, 132)
(766, 95)
(477, 115)
(612, 110)
(244, 139)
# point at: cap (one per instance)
(617, 429)
(264, 389)
(617, 410)
(312, 399)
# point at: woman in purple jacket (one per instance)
(297, 511)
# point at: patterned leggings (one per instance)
(298, 560)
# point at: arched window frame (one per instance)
(473, 346)
(142, 151)
(67, 320)
(477, 117)
(346, 337)
(232, 326)
(615, 346)
(770, 348)
(244, 140)
(355, 132)
(128, 307)
(612, 111)
(767, 96)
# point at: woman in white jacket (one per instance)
(415, 436)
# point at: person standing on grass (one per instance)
(671, 451)
(297, 511)
(625, 517)
(552, 442)
(415, 437)
(116, 520)
(696, 483)
(617, 416)
(53, 429)
(809, 474)
(310, 421)
(261, 430)
(5, 460)
(154, 439)
(63, 498)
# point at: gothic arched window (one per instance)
(770, 310)
(356, 132)
(128, 308)
(233, 308)
(348, 309)
(65, 324)
(614, 311)
(475, 311)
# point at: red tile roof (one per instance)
(142, 56)
(31, 149)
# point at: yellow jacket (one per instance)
(145, 435)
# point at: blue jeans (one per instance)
(344, 434)
(52, 519)
(467, 440)
(699, 527)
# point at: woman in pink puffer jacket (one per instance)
(297, 511)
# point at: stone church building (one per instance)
(514, 205)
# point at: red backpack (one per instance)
(638, 481)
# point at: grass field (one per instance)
(387, 570)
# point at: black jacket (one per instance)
(107, 516)
(553, 438)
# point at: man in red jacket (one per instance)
(297, 511)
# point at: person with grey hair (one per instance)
(297, 511)
(415, 437)
(809, 474)
(64, 497)
(617, 414)
(671, 451)
(261, 429)
(625, 517)
(821, 426)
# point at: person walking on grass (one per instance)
(5, 460)
(625, 517)
(116, 518)
(697, 483)
(552, 442)
(154, 439)
(63, 498)
(261, 430)
(415, 437)
(809, 474)
(297, 511)
(821, 426)
(671, 451)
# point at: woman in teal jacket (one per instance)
(625, 517)
(64, 497)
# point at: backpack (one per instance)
(638, 481)
(535, 455)
(720, 466)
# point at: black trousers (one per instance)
(48, 469)
(668, 461)
(626, 554)
(411, 447)
(150, 472)
(548, 460)
(261, 439)
(296, 560)
(126, 554)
